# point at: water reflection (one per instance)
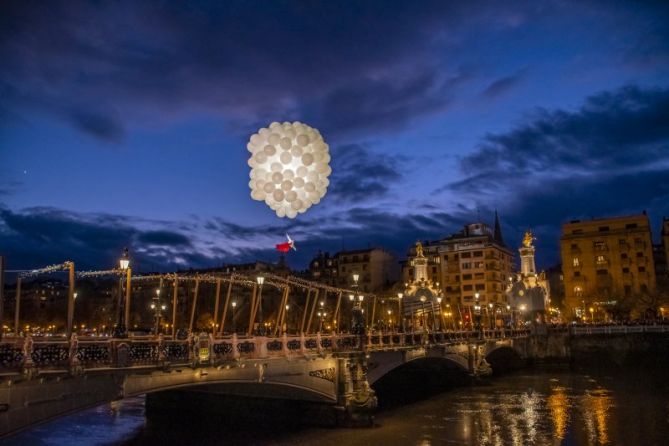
(542, 408)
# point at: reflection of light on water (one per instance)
(558, 403)
(596, 405)
(532, 404)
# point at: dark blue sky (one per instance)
(125, 123)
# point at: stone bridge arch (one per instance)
(382, 363)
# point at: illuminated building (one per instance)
(473, 261)
(606, 261)
(528, 290)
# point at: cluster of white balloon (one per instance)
(289, 167)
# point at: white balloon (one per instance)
(286, 144)
(269, 150)
(296, 151)
(260, 157)
(302, 140)
(286, 158)
(294, 178)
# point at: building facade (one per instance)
(605, 262)
(377, 268)
(474, 262)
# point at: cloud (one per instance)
(609, 157)
(628, 127)
(361, 175)
(174, 58)
(40, 236)
(503, 85)
(99, 125)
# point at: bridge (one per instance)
(44, 379)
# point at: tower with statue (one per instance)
(528, 292)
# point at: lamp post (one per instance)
(158, 309)
(491, 316)
(477, 315)
(357, 315)
(522, 313)
(422, 301)
(234, 306)
(399, 311)
(442, 323)
(122, 314)
(261, 326)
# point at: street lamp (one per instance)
(123, 307)
(261, 327)
(234, 306)
(490, 316)
(157, 308)
(422, 301)
(399, 311)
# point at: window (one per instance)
(628, 290)
(364, 267)
(480, 286)
(467, 287)
(343, 270)
(639, 254)
(466, 255)
(602, 272)
(574, 246)
(600, 246)
(445, 256)
(478, 276)
(577, 274)
(434, 270)
(578, 291)
(577, 231)
(457, 278)
(576, 261)
(623, 255)
(478, 253)
(601, 260)
(467, 265)
(455, 257)
(630, 226)
(642, 269)
(466, 277)
(478, 264)
(626, 270)
(603, 228)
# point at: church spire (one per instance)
(498, 231)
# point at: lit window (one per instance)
(576, 261)
(601, 260)
(578, 291)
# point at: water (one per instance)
(541, 407)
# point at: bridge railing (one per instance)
(90, 353)
(614, 329)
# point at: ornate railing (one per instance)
(81, 354)
(615, 329)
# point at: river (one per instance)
(554, 406)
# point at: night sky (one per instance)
(125, 123)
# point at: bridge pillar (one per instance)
(356, 401)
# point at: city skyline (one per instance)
(126, 125)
